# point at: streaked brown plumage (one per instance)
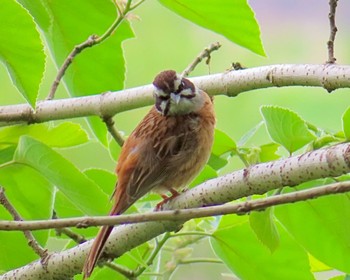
(165, 152)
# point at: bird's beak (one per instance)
(175, 97)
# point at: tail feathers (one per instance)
(96, 250)
(97, 247)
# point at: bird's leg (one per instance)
(166, 198)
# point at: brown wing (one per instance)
(151, 152)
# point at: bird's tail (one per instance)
(96, 250)
(98, 245)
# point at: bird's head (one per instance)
(176, 95)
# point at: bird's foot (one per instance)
(166, 199)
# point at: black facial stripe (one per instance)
(189, 96)
(167, 107)
(159, 103)
(163, 97)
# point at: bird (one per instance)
(164, 153)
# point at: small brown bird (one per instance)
(166, 151)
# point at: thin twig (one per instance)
(28, 235)
(121, 269)
(78, 238)
(91, 41)
(181, 214)
(333, 30)
(133, 274)
(205, 53)
(152, 256)
(200, 260)
(113, 131)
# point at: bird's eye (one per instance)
(181, 87)
(163, 97)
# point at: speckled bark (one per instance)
(257, 179)
(230, 83)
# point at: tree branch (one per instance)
(179, 214)
(78, 238)
(113, 131)
(232, 83)
(257, 179)
(333, 30)
(203, 54)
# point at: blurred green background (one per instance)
(292, 32)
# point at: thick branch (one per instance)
(176, 215)
(329, 76)
(257, 179)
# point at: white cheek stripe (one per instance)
(187, 92)
(163, 106)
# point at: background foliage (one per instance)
(60, 158)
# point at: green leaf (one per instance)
(325, 140)
(216, 162)
(268, 152)
(263, 224)
(99, 128)
(286, 127)
(66, 134)
(33, 200)
(317, 265)
(325, 225)
(346, 123)
(222, 143)
(98, 69)
(233, 19)
(25, 193)
(114, 149)
(237, 245)
(104, 179)
(76, 186)
(6, 153)
(14, 249)
(21, 50)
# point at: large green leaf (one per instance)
(222, 143)
(263, 224)
(67, 23)
(237, 245)
(77, 187)
(21, 49)
(286, 127)
(232, 18)
(346, 123)
(63, 135)
(321, 226)
(66, 134)
(104, 179)
(14, 249)
(33, 200)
